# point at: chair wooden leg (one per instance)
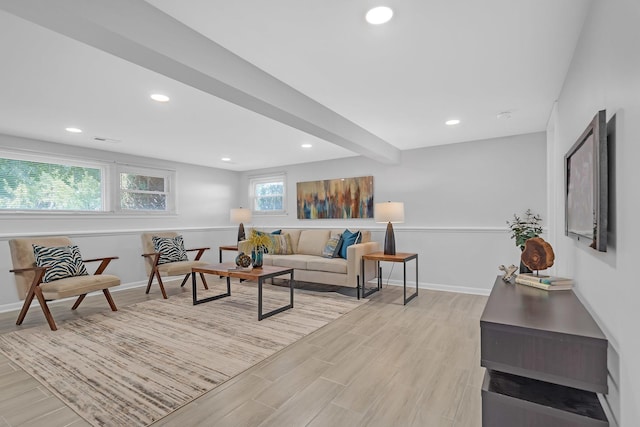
(78, 301)
(164, 294)
(45, 309)
(157, 274)
(107, 295)
(25, 307)
(153, 273)
(185, 280)
(204, 282)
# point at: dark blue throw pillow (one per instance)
(348, 239)
(273, 232)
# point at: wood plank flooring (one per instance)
(383, 364)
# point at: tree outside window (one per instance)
(40, 186)
(142, 192)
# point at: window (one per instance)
(143, 189)
(268, 194)
(31, 183)
(37, 184)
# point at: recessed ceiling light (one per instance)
(452, 122)
(73, 130)
(306, 145)
(160, 97)
(226, 159)
(379, 15)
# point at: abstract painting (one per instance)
(336, 198)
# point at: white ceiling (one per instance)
(435, 60)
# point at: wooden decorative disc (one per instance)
(537, 254)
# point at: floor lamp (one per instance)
(389, 212)
(238, 216)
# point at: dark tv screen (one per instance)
(586, 185)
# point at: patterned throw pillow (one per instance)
(260, 233)
(63, 261)
(171, 249)
(348, 239)
(280, 244)
(332, 248)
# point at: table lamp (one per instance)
(238, 216)
(389, 212)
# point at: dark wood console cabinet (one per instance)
(546, 359)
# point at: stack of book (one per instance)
(549, 283)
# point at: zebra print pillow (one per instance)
(171, 249)
(63, 261)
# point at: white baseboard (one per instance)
(439, 287)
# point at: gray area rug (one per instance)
(134, 366)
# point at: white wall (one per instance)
(204, 197)
(457, 201)
(605, 74)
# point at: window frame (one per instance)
(169, 177)
(260, 179)
(109, 186)
(105, 174)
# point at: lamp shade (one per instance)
(389, 212)
(240, 215)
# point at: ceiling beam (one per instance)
(144, 35)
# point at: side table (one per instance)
(378, 257)
(226, 248)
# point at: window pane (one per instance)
(143, 201)
(28, 185)
(269, 203)
(140, 182)
(269, 189)
(143, 192)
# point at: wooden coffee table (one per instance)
(256, 275)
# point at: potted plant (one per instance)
(524, 228)
(259, 243)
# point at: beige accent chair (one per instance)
(29, 278)
(177, 268)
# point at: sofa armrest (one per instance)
(354, 257)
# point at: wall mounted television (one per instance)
(586, 182)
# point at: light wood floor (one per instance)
(383, 364)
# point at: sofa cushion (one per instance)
(332, 265)
(179, 267)
(332, 248)
(72, 286)
(348, 239)
(312, 242)
(293, 261)
(62, 262)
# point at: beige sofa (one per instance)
(311, 266)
